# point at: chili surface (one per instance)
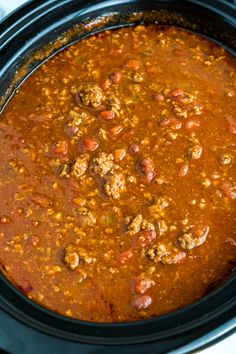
(117, 178)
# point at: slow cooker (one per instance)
(27, 39)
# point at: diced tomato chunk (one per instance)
(107, 115)
(90, 144)
(60, 148)
(116, 130)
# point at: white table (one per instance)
(226, 346)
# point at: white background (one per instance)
(228, 345)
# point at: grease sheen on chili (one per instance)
(117, 179)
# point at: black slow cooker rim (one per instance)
(17, 305)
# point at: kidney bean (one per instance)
(116, 77)
(146, 168)
(142, 302)
(134, 148)
(141, 284)
(25, 286)
(107, 115)
(232, 124)
(89, 144)
(71, 131)
(183, 169)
